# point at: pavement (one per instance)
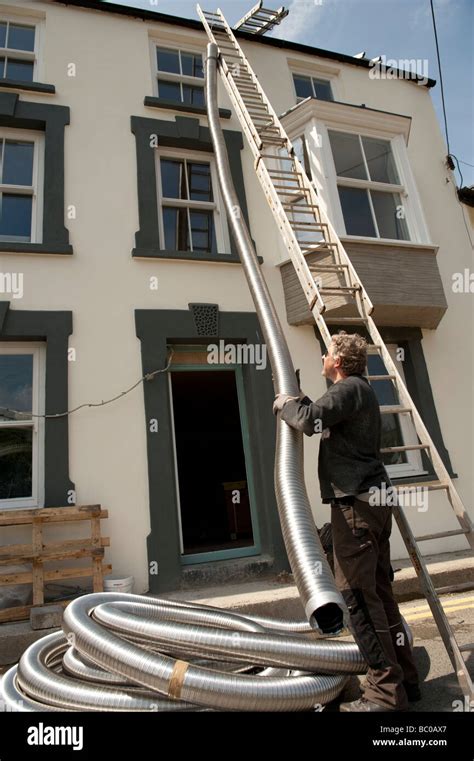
(277, 595)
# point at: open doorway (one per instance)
(213, 482)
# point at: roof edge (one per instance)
(164, 18)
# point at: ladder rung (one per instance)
(273, 172)
(322, 244)
(441, 535)
(275, 157)
(307, 226)
(342, 320)
(406, 448)
(341, 289)
(285, 187)
(332, 268)
(430, 485)
(468, 647)
(394, 409)
(462, 587)
(381, 377)
(373, 348)
(303, 209)
(316, 248)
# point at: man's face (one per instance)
(330, 364)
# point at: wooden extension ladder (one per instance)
(330, 281)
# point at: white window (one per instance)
(397, 430)
(21, 182)
(371, 195)
(22, 377)
(312, 87)
(179, 75)
(190, 217)
(18, 50)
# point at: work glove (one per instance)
(282, 399)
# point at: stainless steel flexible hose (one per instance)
(130, 653)
(322, 602)
(121, 652)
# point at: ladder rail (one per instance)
(439, 615)
(301, 266)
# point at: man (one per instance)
(352, 476)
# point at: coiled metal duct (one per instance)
(123, 652)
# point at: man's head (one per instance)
(346, 355)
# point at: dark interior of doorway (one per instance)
(213, 486)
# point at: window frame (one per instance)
(369, 185)
(37, 187)
(37, 425)
(217, 205)
(26, 55)
(180, 78)
(414, 464)
(312, 76)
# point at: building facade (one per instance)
(117, 261)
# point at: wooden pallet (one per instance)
(37, 553)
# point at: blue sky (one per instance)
(398, 29)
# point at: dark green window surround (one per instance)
(51, 120)
(187, 134)
(54, 328)
(418, 384)
(173, 105)
(16, 84)
(156, 329)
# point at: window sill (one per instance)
(388, 242)
(172, 105)
(12, 508)
(16, 84)
(156, 253)
(34, 248)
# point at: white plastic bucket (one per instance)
(118, 584)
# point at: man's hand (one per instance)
(282, 399)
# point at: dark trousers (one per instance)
(361, 535)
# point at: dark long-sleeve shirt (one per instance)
(348, 416)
